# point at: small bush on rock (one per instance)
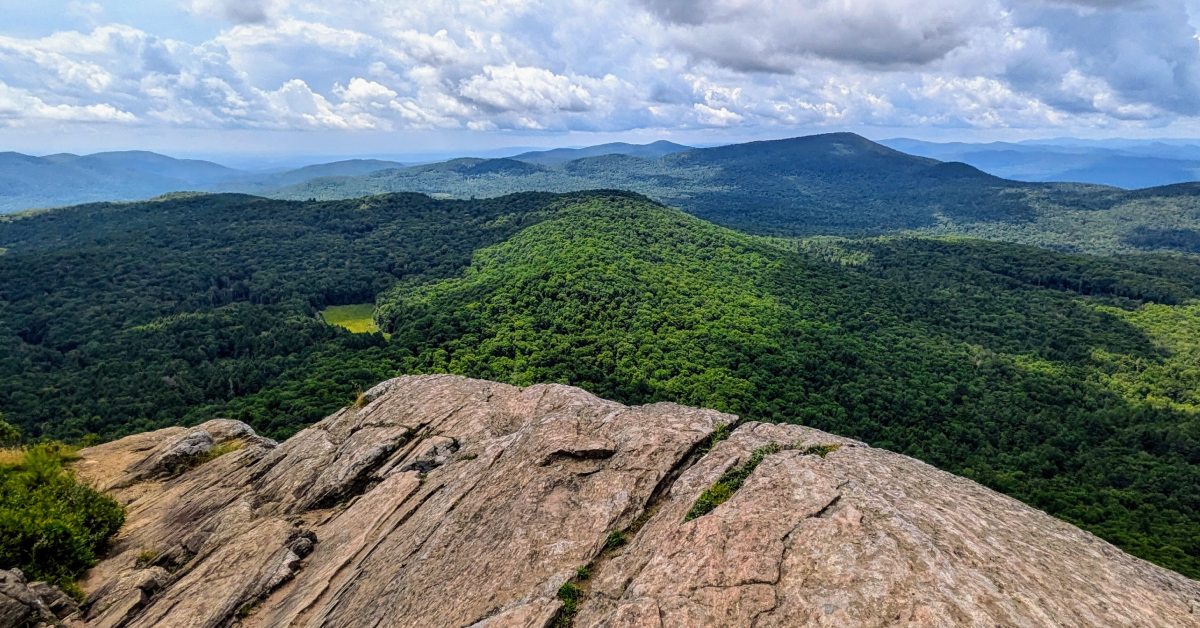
(52, 527)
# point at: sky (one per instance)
(383, 77)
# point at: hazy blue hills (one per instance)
(267, 183)
(1126, 164)
(63, 179)
(555, 156)
(348, 167)
(27, 181)
(60, 179)
(831, 184)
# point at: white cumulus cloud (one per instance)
(615, 65)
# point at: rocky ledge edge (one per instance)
(440, 500)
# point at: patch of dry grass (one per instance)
(11, 456)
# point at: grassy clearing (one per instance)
(11, 457)
(356, 318)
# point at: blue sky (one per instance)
(263, 77)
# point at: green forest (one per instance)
(1068, 381)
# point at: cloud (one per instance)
(615, 65)
(1141, 54)
(526, 89)
(776, 35)
(238, 11)
(18, 106)
(1129, 59)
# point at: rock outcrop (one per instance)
(448, 501)
(24, 603)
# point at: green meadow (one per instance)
(355, 318)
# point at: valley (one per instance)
(621, 314)
(1060, 379)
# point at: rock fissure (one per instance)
(364, 477)
(564, 617)
(824, 511)
(787, 539)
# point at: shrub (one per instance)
(145, 558)
(820, 450)
(51, 526)
(10, 436)
(569, 594)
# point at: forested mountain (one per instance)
(555, 156)
(835, 184)
(1067, 381)
(63, 179)
(1126, 164)
(265, 183)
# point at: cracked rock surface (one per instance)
(24, 603)
(444, 501)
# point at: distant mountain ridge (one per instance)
(1129, 165)
(829, 184)
(60, 179)
(27, 181)
(556, 156)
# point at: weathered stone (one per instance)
(118, 600)
(60, 604)
(866, 537)
(31, 603)
(448, 501)
(18, 604)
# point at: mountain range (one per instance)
(833, 184)
(653, 150)
(62, 179)
(28, 182)
(825, 184)
(1127, 164)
